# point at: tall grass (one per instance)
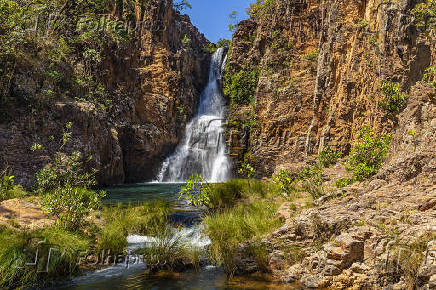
(19, 247)
(244, 222)
(225, 195)
(170, 252)
(120, 221)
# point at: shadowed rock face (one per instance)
(321, 66)
(148, 79)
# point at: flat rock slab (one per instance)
(26, 214)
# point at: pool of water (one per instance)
(134, 277)
(143, 192)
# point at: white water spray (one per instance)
(203, 149)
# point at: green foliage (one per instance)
(425, 15)
(260, 8)
(244, 222)
(71, 205)
(430, 75)
(246, 170)
(313, 56)
(67, 171)
(285, 179)
(19, 247)
(186, 41)
(241, 86)
(368, 154)
(209, 48)
(328, 157)
(344, 182)
(196, 191)
(120, 221)
(222, 42)
(308, 179)
(8, 188)
(394, 102)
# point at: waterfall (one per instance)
(203, 149)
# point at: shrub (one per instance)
(246, 170)
(196, 191)
(328, 157)
(241, 86)
(260, 8)
(70, 205)
(394, 102)
(344, 182)
(285, 179)
(8, 188)
(223, 43)
(368, 154)
(425, 15)
(309, 179)
(67, 171)
(430, 75)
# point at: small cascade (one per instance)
(203, 149)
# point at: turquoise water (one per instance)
(143, 192)
(120, 277)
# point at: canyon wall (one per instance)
(321, 67)
(152, 83)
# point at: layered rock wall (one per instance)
(322, 82)
(153, 83)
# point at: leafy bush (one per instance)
(394, 102)
(425, 15)
(430, 75)
(67, 171)
(8, 188)
(241, 86)
(196, 191)
(285, 179)
(344, 182)
(71, 205)
(246, 170)
(308, 179)
(260, 8)
(222, 42)
(368, 154)
(328, 157)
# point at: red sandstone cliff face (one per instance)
(320, 90)
(153, 83)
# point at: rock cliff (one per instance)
(321, 65)
(151, 84)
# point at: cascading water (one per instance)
(203, 149)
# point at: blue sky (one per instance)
(212, 17)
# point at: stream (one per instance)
(134, 277)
